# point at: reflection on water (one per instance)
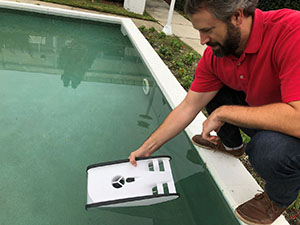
(146, 118)
(77, 52)
(75, 59)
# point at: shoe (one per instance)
(260, 210)
(201, 142)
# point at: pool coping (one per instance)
(230, 175)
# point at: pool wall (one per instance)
(232, 178)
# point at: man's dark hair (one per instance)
(223, 10)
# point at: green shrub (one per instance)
(178, 63)
(120, 1)
(182, 71)
(187, 80)
(162, 35)
(266, 5)
(164, 51)
(179, 4)
(189, 58)
(152, 29)
(142, 28)
(176, 44)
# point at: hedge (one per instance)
(179, 4)
(264, 5)
(119, 1)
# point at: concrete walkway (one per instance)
(181, 27)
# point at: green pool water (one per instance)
(71, 95)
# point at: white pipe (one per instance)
(168, 29)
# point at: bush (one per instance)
(164, 51)
(179, 4)
(120, 1)
(266, 5)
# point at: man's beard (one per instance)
(231, 43)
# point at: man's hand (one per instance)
(138, 153)
(212, 123)
(279, 117)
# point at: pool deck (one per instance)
(235, 182)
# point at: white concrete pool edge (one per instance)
(235, 182)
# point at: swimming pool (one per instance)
(70, 99)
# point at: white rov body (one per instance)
(119, 184)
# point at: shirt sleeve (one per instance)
(288, 62)
(205, 79)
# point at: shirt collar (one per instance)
(256, 35)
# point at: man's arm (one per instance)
(175, 122)
(280, 117)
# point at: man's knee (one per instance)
(270, 152)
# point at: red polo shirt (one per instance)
(268, 71)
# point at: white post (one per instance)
(136, 6)
(168, 29)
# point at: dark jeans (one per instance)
(274, 156)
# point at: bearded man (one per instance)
(249, 79)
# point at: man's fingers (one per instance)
(132, 159)
(205, 135)
(214, 139)
(210, 138)
(210, 125)
(138, 153)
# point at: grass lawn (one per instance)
(102, 6)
